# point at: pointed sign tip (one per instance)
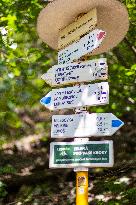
(117, 123)
(44, 77)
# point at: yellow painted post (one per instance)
(81, 172)
(82, 188)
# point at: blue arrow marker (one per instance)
(45, 100)
(117, 123)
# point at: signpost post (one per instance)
(80, 154)
(82, 37)
(81, 179)
(82, 187)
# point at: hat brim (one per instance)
(112, 18)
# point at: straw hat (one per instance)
(112, 18)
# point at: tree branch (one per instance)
(133, 49)
(120, 58)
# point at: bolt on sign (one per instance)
(77, 96)
(84, 125)
(80, 154)
(75, 30)
(82, 47)
(77, 72)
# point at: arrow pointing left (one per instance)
(77, 72)
(77, 96)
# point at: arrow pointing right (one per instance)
(85, 125)
(82, 47)
(116, 124)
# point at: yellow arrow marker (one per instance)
(82, 188)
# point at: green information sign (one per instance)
(79, 154)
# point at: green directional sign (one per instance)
(80, 154)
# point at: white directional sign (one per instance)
(81, 154)
(77, 72)
(84, 125)
(77, 96)
(82, 47)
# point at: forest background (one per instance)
(25, 125)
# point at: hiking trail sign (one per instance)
(62, 24)
(82, 47)
(81, 154)
(77, 96)
(84, 125)
(77, 72)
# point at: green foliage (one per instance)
(8, 169)
(114, 191)
(3, 191)
(23, 60)
(130, 194)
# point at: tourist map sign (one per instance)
(75, 30)
(84, 125)
(79, 154)
(82, 47)
(77, 96)
(77, 72)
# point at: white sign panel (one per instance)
(77, 96)
(84, 125)
(80, 48)
(81, 154)
(77, 72)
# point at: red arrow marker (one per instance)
(101, 35)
